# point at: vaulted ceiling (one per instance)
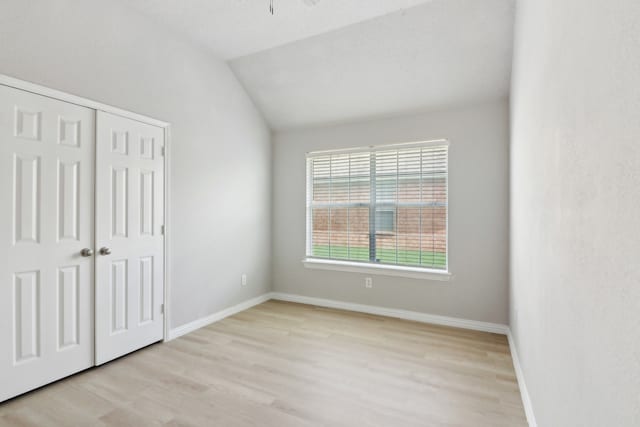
(321, 61)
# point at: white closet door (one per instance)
(46, 220)
(129, 239)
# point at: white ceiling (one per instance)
(435, 55)
(234, 28)
(343, 60)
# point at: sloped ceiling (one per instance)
(339, 61)
(234, 28)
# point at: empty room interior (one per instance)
(320, 213)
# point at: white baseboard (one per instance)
(475, 325)
(524, 392)
(212, 318)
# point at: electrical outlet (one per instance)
(368, 282)
(243, 279)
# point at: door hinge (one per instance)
(161, 308)
(162, 229)
(162, 151)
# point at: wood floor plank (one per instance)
(285, 364)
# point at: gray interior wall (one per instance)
(221, 151)
(575, 207)
(478, 218)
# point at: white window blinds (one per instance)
(385, 205)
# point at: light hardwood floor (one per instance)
(284, 364)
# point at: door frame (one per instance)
(166, 126)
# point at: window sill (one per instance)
(385, 270)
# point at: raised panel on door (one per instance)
(26, 179)
(68, 200)
(26, 308)
(68, 307)
(47, 150)
(129, 219)
(119, 296)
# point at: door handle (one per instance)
(86, 252)
(105, 251)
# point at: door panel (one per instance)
(27, 312)
(129, 218)
(68, 196)
(46, 219)
(68, 306)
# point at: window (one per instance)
(386, 221)
(384, 205)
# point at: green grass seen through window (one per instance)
(385, 256)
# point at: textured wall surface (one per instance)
(221, 150)
(575, 209)
(478, 242)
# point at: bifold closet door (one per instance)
(129, 236)
(46, 226)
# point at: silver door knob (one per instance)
(86, 252)
(105, 251)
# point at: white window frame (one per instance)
(370, 267)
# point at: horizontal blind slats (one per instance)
(410, 210)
